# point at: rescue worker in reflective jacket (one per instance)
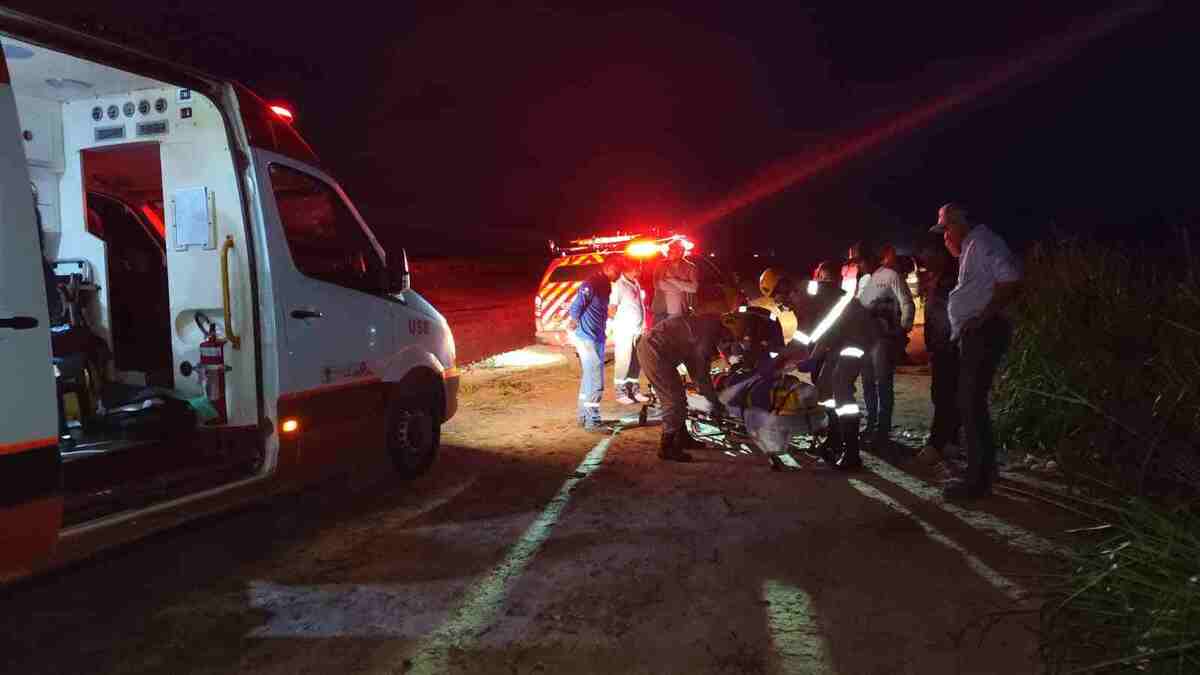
(692, 341)
(834, 328)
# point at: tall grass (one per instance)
(1131, 602)
(1103, 371)
(1104, 376)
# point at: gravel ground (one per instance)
(535, 547)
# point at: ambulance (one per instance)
(193, 314)
(572, 264)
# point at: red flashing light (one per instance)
(155, 221)
(283, 113)
(642, 249)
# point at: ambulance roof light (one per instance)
(642, 249)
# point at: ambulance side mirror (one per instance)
(399, 276)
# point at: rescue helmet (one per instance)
(769, 280)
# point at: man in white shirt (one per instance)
(989, 278)
(627, 310)
(887, 297)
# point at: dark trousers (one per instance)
(835, 383)
(943, 390)
(980, 351)
(879, 386)
(659, 366)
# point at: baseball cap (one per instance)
(952, 207)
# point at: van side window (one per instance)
(325, 240)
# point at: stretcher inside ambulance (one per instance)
(191, 310)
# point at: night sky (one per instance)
(494, 128)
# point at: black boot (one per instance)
(849, 459)
(669, 448)
(830, 448)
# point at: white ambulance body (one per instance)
(173, 203)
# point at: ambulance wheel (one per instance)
(414, 434)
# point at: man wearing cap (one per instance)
(989, 278)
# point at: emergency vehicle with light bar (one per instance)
(193, 314)
(582, 258)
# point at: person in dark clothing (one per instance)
(940, 277)
(692, 341)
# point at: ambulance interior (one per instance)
(113, 157)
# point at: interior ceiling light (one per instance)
(68, 84)
(17, 52)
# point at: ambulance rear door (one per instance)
(30, 466)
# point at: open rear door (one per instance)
(30, 467)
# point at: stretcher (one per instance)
(784, 439)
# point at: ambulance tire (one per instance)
(414, 434)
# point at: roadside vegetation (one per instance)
(1103, 378)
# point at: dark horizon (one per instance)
(492, 130)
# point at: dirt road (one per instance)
(535, 547)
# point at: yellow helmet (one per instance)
(769, 280)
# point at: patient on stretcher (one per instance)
(758, 389)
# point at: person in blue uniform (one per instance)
(587, 324)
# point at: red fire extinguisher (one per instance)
(212, 367)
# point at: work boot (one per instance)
(849, 459)
(669, 450)
(638, 395)
(829, 446)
